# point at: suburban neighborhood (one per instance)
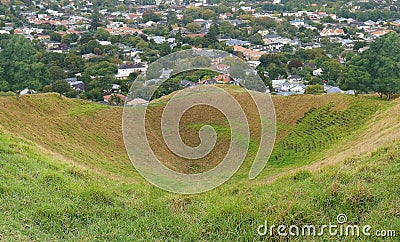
(100, 47)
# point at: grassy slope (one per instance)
(43, 197)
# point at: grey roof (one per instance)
(334, 90)
(271, 36)
(237, 42)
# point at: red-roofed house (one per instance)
(331, 32)
(224, 78)
(113, 97)
(380, 33)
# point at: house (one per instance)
(334, 90)
(223, 79)
(76, 85)
(380, 33)
(295, 78)
(158, 39)
(224, 38)
(109, 98)
(27, 91)
(188, 84)
(91, 56)
(208, 82)
(254, 64)
(318, 72)
(166, 73)
(137, 102)
(104, 43)
(276, 84)
(195, 35)
(331, 32)
(236, 42)
(300, 89)
(248, 54)
(125, 70)
(223, 67)
(115, 88)
(287, 86)
(297, 23)
(270, 38)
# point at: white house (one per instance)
(297, 23)
(125, 70)
(318, 72)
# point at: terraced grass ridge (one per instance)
(65, 175)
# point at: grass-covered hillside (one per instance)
(65, 174)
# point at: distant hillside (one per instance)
(65, 176)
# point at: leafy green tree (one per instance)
(61, 87)
(314, 89)
(20, 68)
(332, 70)
(384, 59)
(208, 14)
(142, 45)
(102, 34)
(74, 63)
(265, 78)
(57, 73)
(193, 28)
(256, 39)
(103, 68)
(212, 35)
(164, 48)
(274, 71)
(55, 37)
(66, 39)
(227, 28)
(355, 76)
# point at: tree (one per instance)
(384, 58)
(332, 70)
(61, 87)
(20, 68)
(74, 63)
(193, 28)
(265, 78)
(212, 35)
(355, 76)
(57, 73)
(256, 39)
(295, 63)
(314, 89)
(227, 28)
(95, 19)
(55, 37)
(102, 34)
(164, 48)
(66, 39)
(142, 45)
(208, 14)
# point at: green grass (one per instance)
(88, 191)
(44, 199)
(318, 130)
